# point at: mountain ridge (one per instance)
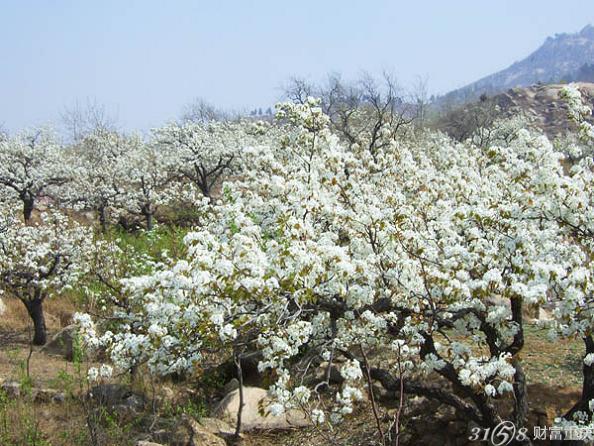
(562, 57)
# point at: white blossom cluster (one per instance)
(44, 258)
(578, 111)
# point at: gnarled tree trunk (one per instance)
(35, 310)
(148, 215)
(28, 206)
(102, 218)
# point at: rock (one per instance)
(59, 397)
(200, 436)
(254, 399)
(109, 394)
(188, 433)
(118, 397)
(431, 440)
(216, 426)
(134, 401)
(47, 395)
(12, 388)
(62, 343)
(177, 437)
(129, 406)
(204, 438)
(457, 429)
(147, 443)
(231, 386)
(446, 414)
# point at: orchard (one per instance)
(398, 263)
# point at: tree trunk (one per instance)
(148, 219)
(35, 310)
(203, 186)
(521, 407)
(28, 205)
(102, 218)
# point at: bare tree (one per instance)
(201, 111)
(82, 119)
(298, 90)
(368, 112)
(388, 113)
(420, 101)
(471, 120)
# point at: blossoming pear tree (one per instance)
(148, 181)
(201, 153)
(31, 162)
(38, 261)
(568, 200)
(578, 111)
(100, 161)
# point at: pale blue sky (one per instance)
(145, 59)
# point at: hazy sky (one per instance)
(145, 59)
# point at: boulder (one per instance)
(12, 388)
(134, 402)
(232, 385)
(214, 426)
(59, 397)
(177, 437)
(188, 433)
(48, 395)
(255, 401)
(109, 394)
(200, 436)
(62, 343)
(321, 374)
(117, 396)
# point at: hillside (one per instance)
(543, 105)
(562, 57)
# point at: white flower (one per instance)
(351, 370)
(276, 409)
(93, 374)
(105, 371)
(318, 416)
(490, 390)
(504, 386)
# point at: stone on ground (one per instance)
(255, 402)
(62, 343)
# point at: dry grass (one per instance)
(58, 314)
(45, 370)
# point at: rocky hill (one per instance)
(560, 58)
(543, 105)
